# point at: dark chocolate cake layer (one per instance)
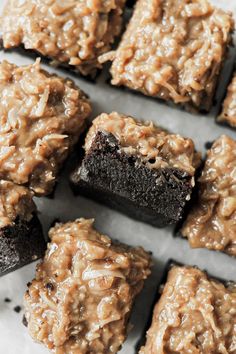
(20, 243)
(122, 181)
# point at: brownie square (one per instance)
(83, 293)
(173, 50)
(228, 113)
(194, 314)
(137, 168)
(21, 235)
(211, 222)
(70, 33)
(42, 116)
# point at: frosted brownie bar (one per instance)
(173, 50)
(212, 221)
(83, 293)
(41, 118)
(137, 168)
(73, 33)
(195, 314)
(228, 114)
(21, 236)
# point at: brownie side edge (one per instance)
(122, 181)
(20, 244)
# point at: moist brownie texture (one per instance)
(21, 237)
(72, 32)
(41, 118)
(212, 221)
(173, 50)
(228, 114)
(195, 314)
(82, 296)
(137, 168)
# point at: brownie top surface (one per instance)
(15, 202)
(212, 221)
(155, 146)
(72, 32)
(41, 117)
(228, 114)
(194, 314)
(84, 290)
(172, 49)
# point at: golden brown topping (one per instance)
(155, 146)
(194, 315)
(212, 221)
(15, 202)
(84, 289)
(41, 118)
(173, 49)
(228, 114)
(71, 32)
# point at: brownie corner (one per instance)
(21, 243)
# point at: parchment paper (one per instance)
(14, 338)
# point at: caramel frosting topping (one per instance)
(81, 298)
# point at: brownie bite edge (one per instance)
(21, 235)
(92, 283)
(137, 168)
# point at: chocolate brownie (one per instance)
(211, 223)
(137, 168)
(195, 313)
(42, 116)
(173, 50)
(72, 33)
(84, 290)
(21, 236)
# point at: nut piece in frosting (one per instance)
(228, 114)
(212, 221)
(82, 296)
(72, 33)
(41, 118)
(173, 50)
(195, 314)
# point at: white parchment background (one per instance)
(14, 338)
